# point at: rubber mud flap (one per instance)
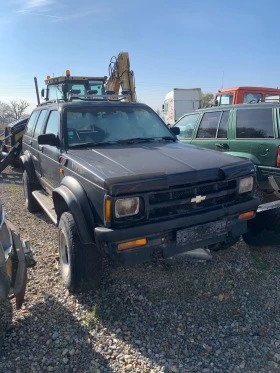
(21, 276)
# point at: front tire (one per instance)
(81, 266)
(28, 187)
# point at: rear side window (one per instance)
(40, 122)
(31, 123)
(187, 125)
(254, 123)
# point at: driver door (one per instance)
(49, 155)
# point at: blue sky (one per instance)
(183, 44)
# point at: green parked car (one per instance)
(246, 130)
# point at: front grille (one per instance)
(176, 202)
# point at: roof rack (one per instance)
(88, 97)
(69, 78)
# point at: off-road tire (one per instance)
(81, 266)
(225, 244)
(28, 187)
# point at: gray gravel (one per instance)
(179, 316)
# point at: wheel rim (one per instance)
(64, 256)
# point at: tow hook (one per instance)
(157, 255)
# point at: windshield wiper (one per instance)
(137, 140)
(146, 139)
(88, 144)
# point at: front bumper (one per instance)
(161, 236)
(269, 178)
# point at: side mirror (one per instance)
(48, 139)
(42, 92)
(175, 130)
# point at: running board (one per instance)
(46, 203)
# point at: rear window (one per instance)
(254, 123)
(250, 97)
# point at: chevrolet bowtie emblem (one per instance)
(198, 199)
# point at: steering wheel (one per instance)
(73, 135)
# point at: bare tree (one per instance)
(4, 113)
(207, 99)
(17, 109)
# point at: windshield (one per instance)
(55, 92)
(95, 125)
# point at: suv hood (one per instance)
(149, 166)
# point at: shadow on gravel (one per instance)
(191, 316)
(264, 230)
(49, 338)
(6, 314)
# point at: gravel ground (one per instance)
(178, 316)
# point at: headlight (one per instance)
(246, 184)
(126, 207)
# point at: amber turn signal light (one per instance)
(247, 215)
(131, 244)
(107, 211)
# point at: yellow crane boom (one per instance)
(120, 75)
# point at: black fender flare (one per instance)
(70, 195)
(27, 164)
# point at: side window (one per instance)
(254, 123)
(52, 123)
(208, 125)
(187, 125)
(272, 98)
(226, 99)
(54, 93)
(223, 126)
(31, 123)
(40, 122)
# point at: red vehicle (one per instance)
(246, 95)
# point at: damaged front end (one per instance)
(15, 258)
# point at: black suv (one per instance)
(116, 180)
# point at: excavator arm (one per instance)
(120, 75)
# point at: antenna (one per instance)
(222, 80)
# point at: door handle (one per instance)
(40, 147)
(222, 146)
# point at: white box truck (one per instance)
(180, 101)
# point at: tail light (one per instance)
(278, 157)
